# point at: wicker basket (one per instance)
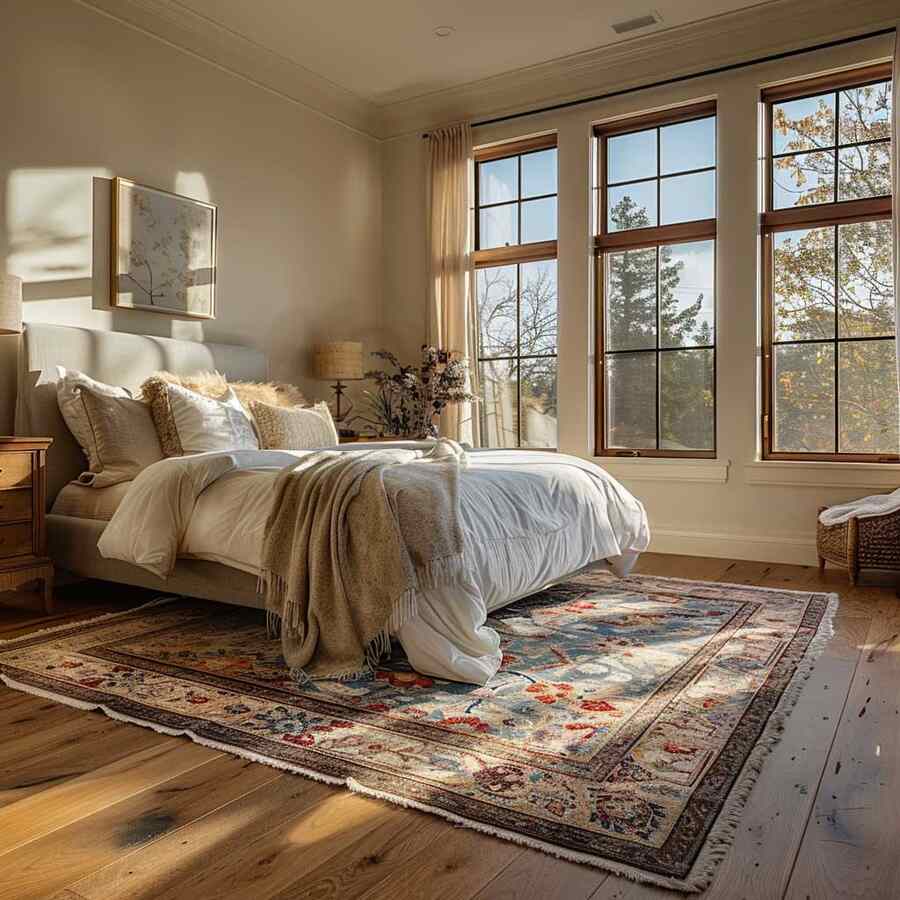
(870, 543)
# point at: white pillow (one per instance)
(205, 424)
(68, 396)
(296, 428)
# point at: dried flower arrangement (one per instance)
(409, 400)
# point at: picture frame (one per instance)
(162, 252)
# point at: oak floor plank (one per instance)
(214, 849)
(369, 860)
(539, 876)
(68, 750)
(457, 866)
(55, 861)
(850, 849)
(61, 804)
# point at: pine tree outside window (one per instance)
(655, 251)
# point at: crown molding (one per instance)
(772, 27)
(184, 29)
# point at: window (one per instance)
(655, 250)
(515, 260)
(830, 378)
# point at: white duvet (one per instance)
(529, 518)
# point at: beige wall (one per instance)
(84, 98)
(732, 506)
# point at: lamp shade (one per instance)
(10, 304)
(338, 361)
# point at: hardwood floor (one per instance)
(92, 809)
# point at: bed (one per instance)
(545, 517)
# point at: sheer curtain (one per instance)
(451, 317)
(895, 169)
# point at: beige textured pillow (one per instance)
(124, 435)
(215, 385)
(301, 428)
(68, 395)
(189, 422)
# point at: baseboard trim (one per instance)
(797, 549)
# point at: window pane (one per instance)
(803, 179)
(804, 398)
(864, 171)
(631, 400)
(539, 173)
(539, 220)
(686, 198)
(538, 308)
(499, 414)
(498, 226)
(631, 300)
(868, 397)
(803, 124)
(687, 145)
(866, 284)
(686, 294)
(803, 284)
(498, 180)
(538, 402)
(631, 206)
(631, 156)
(686, 400)
(866, 113)
(496, 289)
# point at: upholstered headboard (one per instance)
(113, 357)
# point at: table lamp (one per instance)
(338, 361)
(10, 304)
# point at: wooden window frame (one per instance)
(644, 238)
(839, 212)
(516, 254)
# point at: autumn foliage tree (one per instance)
(834, 281)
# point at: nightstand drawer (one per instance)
(15, 506)
(15, 540)
(15, 470)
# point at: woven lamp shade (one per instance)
(10, 304)
(338, 361)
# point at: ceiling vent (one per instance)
(636, 23)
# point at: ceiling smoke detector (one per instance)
(443, 31)
(645, 21)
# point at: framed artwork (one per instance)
(163, 253)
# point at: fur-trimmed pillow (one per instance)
(309, 428)
(215, 385)
(189, 422)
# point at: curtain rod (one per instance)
(667, 81)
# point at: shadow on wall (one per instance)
(55, 233)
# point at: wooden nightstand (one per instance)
(23, 533)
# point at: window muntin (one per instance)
(830, 384)
(516, 293)
(656, 285)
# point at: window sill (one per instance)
(708, 471)
(823, 474)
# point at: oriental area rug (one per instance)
(625, 728)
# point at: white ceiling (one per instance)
(385, 51)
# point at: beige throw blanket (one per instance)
(350, 539)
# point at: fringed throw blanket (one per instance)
(351, 537)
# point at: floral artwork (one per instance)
(164, 251)
(624, 729)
